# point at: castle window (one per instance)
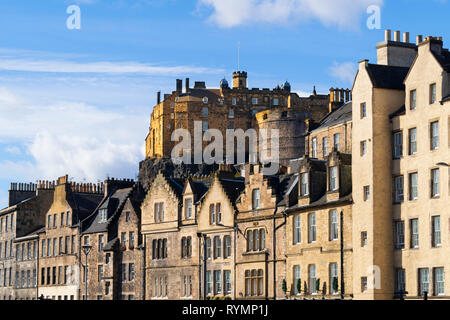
(439, 281)
(363, 148)
(208, 247)
(254, 282)
(233, 101)
(212, 214)
(363, 284)
(205, 100)
(276, 101)
(255, 101)
(101, 242)
(231, 114)
(205, 112)
(333, 278)
(217, 282)
(297, 280)
(363, 239)
(204, 126)
(227, 282)
(231, 125)
(424, 281)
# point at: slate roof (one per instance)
(113, 204)
(443, 59)
(198, 188)
(322, 201)
(233, 188)
(340, 115)
(197, 94)
(401, 111)
(84, 204)
(387, 77)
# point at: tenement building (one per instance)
(400, 143)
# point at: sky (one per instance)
(78, 101)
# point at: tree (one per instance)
(299, 286)
(324, 288)
(335, 284)
(306, 288)
(317, 285)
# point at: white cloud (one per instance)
(13, 150)
(63, 66)
(345, 71)
(84, 141)
(342, 13)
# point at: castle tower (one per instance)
(239, 80)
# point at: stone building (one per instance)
(115, 261)
(28, 204)
(319, 229)
(401, 114)
(59, 274)
(226, 108)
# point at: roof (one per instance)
(233, 188)
(113, 204)
(197, 94)
(340, 115)
(387, 77)
(401, 111)
(198, 189)
(84, 204)
(443, 59)
(30, 235)
(321, 202)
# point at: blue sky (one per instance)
(78, 101)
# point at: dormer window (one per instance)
(333, 178)
(304, 184)
(215, 213)
(256, 196)
(188, 208)
(103, 215)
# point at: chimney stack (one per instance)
(187, 85)
(387, 35)
(179, 85)
(406, 37)
(158, 97)
(397, 36)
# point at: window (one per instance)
(231, 125)
(325, 146)
(398, 189)
(188, 208)
(131, 272)
(400, 285)
(438, 281)
(100, 273)
(334, 284)
(424, 281)
(414, 225)
(366, 192)
(123, 239)
(433, 93)
(254, 283)
(363, 148)
(43, 248)
(217, 247)
(205, 126)
(131, 236)
(54, 220)
(256, 240)
(413, 189)
(54, 247)
(363, 239)
(205, 112)
(312, 279)
(399, 229)
(217, 282)
(205, 100)
(231, 114)
(436, 231)
(336, 141)
(314, 148)
(255, 198)
(208, 248)
(208, 282)
(398, 145)
(159, 212)
(333, 225)
(101, 242)
(435, 189)
(363, 284)
(226, 247)
(186, 249)
(212, 214)
(218, 213)
(304, 184)
(49, 221)
(159, 249)
(297, 230)
(123, 269)
(413, 99)
(103, 215)
(226, 282)
(73, 244)
(333, 178)
(255, 101)
(434, 135)
(68, 219)
(233, 101)
(297, 280)
(363, 110)
(312, 227)
(127, 216)
(412, 141)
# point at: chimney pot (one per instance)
(387, 35)
(187, 85)
(419, 39)
(406, 37)
(397, 36)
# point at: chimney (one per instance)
(342, 96)
(347, 95)
(158, 97)
(397, 36)
(179, 85)
(406, 37)
(387, 35)
(187, 85)
(419, 39)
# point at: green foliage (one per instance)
(284, 286)
(299, 285)
(306, 288)
(324, 288)
(335, 284)
(317, 284)
(227, 298)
